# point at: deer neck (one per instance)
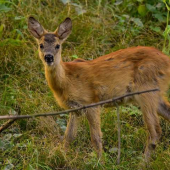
(55, 76)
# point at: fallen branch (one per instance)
(7, 124)
(77, 109)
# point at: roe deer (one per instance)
(84, 82)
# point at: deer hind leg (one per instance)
(149, 104)
(71, 130)
(93, 116)
(164, 108)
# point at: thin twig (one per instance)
(118, 132)
(77, 109)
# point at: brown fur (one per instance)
(129, 70)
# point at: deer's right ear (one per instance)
(35, 28)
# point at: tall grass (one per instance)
(99, 27)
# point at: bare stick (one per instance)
(118, 132)
(7, 124)
(77, 109)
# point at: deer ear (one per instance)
(64, 29)
(35, 28)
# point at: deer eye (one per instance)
(57, 46)
(41, 46)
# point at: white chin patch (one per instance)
(50, 64)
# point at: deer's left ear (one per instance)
(64, 29)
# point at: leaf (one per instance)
(126, 16)
(12, 111)
(156, 29)
(62, 124)
(137, 21)
(127, 125)
(19, 33)
(30, 167)
(142, 10)
(160, 5)
(2, 144)
(21, 145)
(151, 8)
(118, 2)
(1, 29)
(8, 136)
(92, 154)
(4, 8)
(25, 27)
(80, 10)
(166, 5)
(113, 150)
(19, 18)
(167, 31)
(74, 56)
(17, 135)
(8, 167)
(160, 17)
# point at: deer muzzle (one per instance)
(49, 59)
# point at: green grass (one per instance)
(104, 27)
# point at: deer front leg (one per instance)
(71, 130)
(93, 116)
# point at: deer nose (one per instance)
(49, 58)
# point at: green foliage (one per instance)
(99, 27)
(166, 49)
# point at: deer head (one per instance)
(50, 42)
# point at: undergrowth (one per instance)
(99, 27)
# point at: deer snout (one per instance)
(49, 58)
